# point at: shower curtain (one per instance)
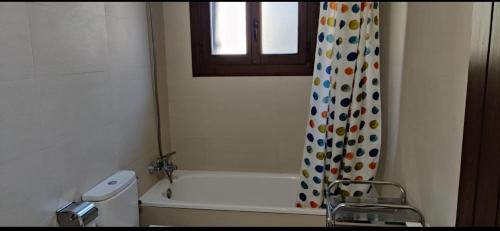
(343, 129)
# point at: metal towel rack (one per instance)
(395, 209)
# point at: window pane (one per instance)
(280, 27)
(228, 28)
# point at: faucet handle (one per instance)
(170, 167)
(154, 167)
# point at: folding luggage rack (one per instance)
(370, 211)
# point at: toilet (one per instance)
(116, 199)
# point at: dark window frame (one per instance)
(204, 64)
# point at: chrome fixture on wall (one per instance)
(77, 214)
(163, 163)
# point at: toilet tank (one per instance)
(116, 199)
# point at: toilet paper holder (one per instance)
(77, 214)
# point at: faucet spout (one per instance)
(169, 169)
(169, 175)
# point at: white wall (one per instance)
(393, 28)
(230, 123)
(75, 103)
(423, 148)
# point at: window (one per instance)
(253, 38)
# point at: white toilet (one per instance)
(116, 199)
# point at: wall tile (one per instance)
(129, 33)
(191, 153)
(241, 154)
(16, 60)
(95, 8)
(133, 10)
(67, 41)
(73, 104)
(19, 122)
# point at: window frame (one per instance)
(204, 64)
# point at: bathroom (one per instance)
(91, 89)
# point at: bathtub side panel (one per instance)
(200, 217)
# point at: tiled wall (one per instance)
(75, 103)
(231, 123)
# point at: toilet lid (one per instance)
(110, 186)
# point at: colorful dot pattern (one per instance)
(344, 123)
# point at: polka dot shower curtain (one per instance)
(343, 128)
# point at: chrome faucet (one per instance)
(163, 163)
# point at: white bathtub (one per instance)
(225, 192)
